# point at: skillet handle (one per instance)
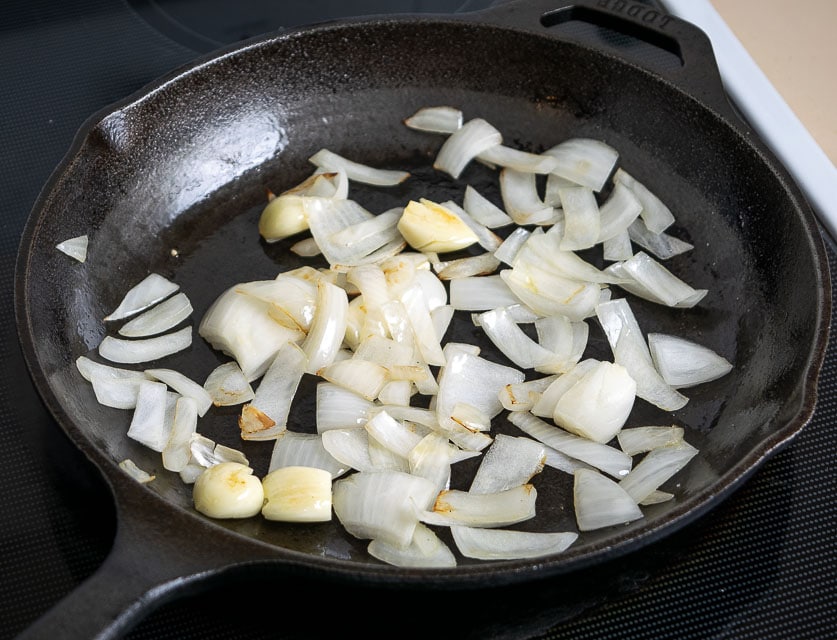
(696, 73)
(153, 560)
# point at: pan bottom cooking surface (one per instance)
(760, 565)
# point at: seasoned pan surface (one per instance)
(173, 181)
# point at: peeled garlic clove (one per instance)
(428, 226)
(228, 490)
(297, 494)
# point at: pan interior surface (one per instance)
(173, 182)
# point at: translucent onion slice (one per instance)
(585, 161)
(285, 216)
(655, 468)
(228, 386)
(382, 505)
(306, 248)
(545, 249)
(150, 425)
(521, 199)
(426, 550)
(266, 416)
(159, 318)
(657, 216)
(598, 405)
(293, 449)
(503, 156)
(498, 509)
(149, 291)
(581, 218)
(145, 349)
(480, 265)
(544, 406)
(350, 447)
(115, 392)
(177, 452)
(431, 458)
(600, 502)
(87, 368)
(327, 328)
(683, 363)
(618, 212)
(392, 434)
(441, 119)
(424, 333)
(327, 160)
(481, 293)
(140, 475)
(510, 461)
(338, 407)
(662, 283)
(636, 440)
(522, 396)
(511, 246)
(548, 294)
(297, 494)
(75, 247)
(516, 344)
(465, 144)
(612, 461)
(618, 247)
(662, 245)
(183, 385)
(507, 544)
(292, 299)
(483, 210)
(564, 337)
(363, 377)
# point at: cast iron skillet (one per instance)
(184, 164)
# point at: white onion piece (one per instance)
(362, 238)
(481, 293)
(391, 433)
(431, 458)
(350, 447)
(465, 144)
(601, 456)
(441, 119)
(585, 161)
(662, 283)
(516, 344)
(382, 505)
(327, 160)
(656, 497)
(683, 363)
(384, 458)
(507, 544)
(511, 246)
(471, 266)
(662, 245)
(655, 468)
(149, 423)
(613, 316)
(522, 396)
(457, 384)
(145, 349)
(87, 368)
(564, 337)
(384, 351)
(432, 227)
(140, 475)
(618, 247)
(159, 318)
(557, 460)
(503, 156)
(544, 249)
(521, 200)
(223, 453)
(552, 188)
(396, 392)
(306, 248)
(470, 417)
(632, 353)
(618, 212)
(424, 332)
(487, 239)
(297, 494)
(636, 440)
(483, 210)
(115, 392)
(183, 385)
(510, 461)
(75, 247)
(327, 328)
(498, 509)
(639, 289)
(548, 294)
(294, 449)
(426, 551)
(227, 385)
(151, 290)
(241, 327)
(600, 502)
(328, 217)
(177, 452)
(598, 405)
(363, 377)
(266, 416)
(581, 218)
(291, 300)
(544, 406)
(657, 216)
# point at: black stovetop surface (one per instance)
(761, 565)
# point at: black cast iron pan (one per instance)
(184, 165)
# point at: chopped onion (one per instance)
(585, 161)
(657, 216)
(75, 247)
(145, 349)
(662, 245)
(497, 509)
(159, 318)
(151, 290)
(581, 218)
(500, 155)
(684, 363)
(507, 544)
(327, 328)
(618, 212)
(183, 385)
(329, 161)
(130, 467)
(636, 440)
(600, 502)
(655, 468)
(658, 283)
(115, 392)
(435, 119)
(293, 449)
(149, 423)
(177, 451)
(228, 386)
(465, 144)
(350, 447)
(426, 550)
(483, 210)
(510, 461)
(521, 199)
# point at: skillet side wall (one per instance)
(186, 168)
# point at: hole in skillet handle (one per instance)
(637, 32)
